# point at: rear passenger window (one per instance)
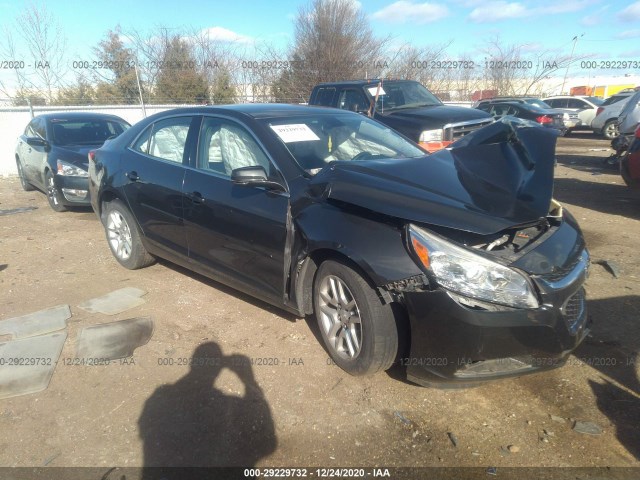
(165, 139)
(354, 100)
(575, 103)
(324, 96)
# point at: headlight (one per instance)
(431, 135)
(459, 270)
(65, 168)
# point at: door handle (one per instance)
(196, 197)
(133, 176)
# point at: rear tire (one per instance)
(124, 237)
(26, 186)
(610, 130)
(358, 330)
(54, 196)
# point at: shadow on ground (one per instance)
(193, 424)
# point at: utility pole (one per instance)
(144, 110)
(575, 40)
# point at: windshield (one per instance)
(392, 95)
(317, 140)
(85, 131)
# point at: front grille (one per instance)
(574, 310)
(455, 131)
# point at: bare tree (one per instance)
(333, 41)
(45, 46)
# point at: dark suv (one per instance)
(404, 105)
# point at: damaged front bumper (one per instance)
(456, 341)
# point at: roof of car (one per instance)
(363, 82)
(78, 115)
(259, 110)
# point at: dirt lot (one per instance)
(281, 402)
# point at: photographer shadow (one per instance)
(193, 424)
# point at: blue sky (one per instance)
(606, 29)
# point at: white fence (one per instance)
(13, 121)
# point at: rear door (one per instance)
(154, 167)
(237, 233)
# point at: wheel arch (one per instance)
(106, 196)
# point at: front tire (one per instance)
(54, 196)
(358, 330)
(26, 186)
(123, 237)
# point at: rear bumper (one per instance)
(453, 345)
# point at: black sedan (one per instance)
(545, 117)
(51, 154)
(458, 265)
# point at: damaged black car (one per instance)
(458, 265)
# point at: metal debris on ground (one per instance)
(114, 340)
(36, 359)
(37, 323)
(115, 302)
(402, 418)
(453, 439)
(611, 266)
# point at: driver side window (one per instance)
(225, 145)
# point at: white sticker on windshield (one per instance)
(298, 132)
(374, 90)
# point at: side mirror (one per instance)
(38, 142)
(254, 176)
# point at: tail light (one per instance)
(638, 132)
(544, 119)
(92, 155)
(599, 111)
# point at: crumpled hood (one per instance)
(494, 178)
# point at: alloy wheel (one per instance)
(340, 317)
(52, 191)
(119, 235)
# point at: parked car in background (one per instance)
(606, 119)
(586, 107)
(406, 106)
(629, 117)
(51, 154)
(569, 117)
(458, 264)
(546, 117)
(630, 163)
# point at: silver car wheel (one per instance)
(610, 130)
(340, 317)
(119, 235)
(52, 192)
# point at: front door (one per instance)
(237, 232)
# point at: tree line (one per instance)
(333, 40)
